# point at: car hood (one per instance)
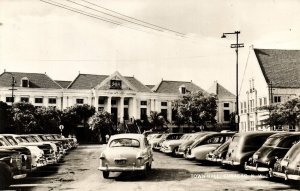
(121, 152)
(210, 147)
(173, 142)
(187, 143)
(270, 152)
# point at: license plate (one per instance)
(120, 162)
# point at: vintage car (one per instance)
(50, 149)
(12, 166)
(126, 152)
(219, 154)
(35, 156)
(243, 146)
(170, 136)
(37, 138)
(276, 146)
(289, 166)
(182, 149)
(156, 139)
(171, 146)
(200, 148)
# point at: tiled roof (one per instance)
(62, 83)
(281, 67)
(173, 87)
(36, 80)
(89, 81)
(220, 91)
(150, 86)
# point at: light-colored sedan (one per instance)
(126, 152)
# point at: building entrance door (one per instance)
(114, 115)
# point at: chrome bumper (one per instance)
(232, 163)
(121, 169)
(285, 176)
(256, 168)
(19, 176)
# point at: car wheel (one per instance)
(105, 174)
(174, 151)
(5, 176)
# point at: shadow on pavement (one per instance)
(156, 174)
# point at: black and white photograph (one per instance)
(134, 95)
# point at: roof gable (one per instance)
(62, 83)
(36, 80)
(220, 91)
(90, 81)
(173, 87)
(281, 67)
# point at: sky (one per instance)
(38, 37)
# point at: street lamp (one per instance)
(236, 46)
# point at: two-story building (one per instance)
(271, 76)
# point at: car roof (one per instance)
(285, 134)
(128, 135)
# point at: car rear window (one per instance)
(124, 142)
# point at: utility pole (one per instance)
(236, 46)
(13, 82)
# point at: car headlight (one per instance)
(102, 156)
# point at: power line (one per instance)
(133, 18)
(54, 3)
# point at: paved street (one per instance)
(79, 171)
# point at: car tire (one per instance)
(105, 174)
(174, 151)
(5, 176)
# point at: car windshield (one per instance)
(272, 141)
(158, 136)
(11, 140)
(124, 142)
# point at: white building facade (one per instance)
(271, 77)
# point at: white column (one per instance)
(58, 102)
(96, 101)
(134, 108)
(121, 109)
(169, 109)
(108, 105)
(152, 101)
(148, 107)
(45, 101)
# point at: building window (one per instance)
(52, 100)
(277, 99)
(260, 102)
(143, 102)
(10, 99)
(183, 90)
(126, 101)
(164, 113)
(24, 82)
(101, 101)
(115, 84)
(113, 102)
(79, 101)
(24, 99)
(251, 125)
(38, 100)
(265, 101)
(143, 113)
(245, 107)
(226, 115)
(126, 114)
(242, 109)
(226, 104)
(164, 103)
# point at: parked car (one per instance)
(126, 152)
(50, 149)
(276, 146)
(182, 149)
(200, 148)
(289, 166)
(35, 156)
(12, 166)
(170, 136)
(219, 154)
(244, 145)
(171, 146)
(156, 139)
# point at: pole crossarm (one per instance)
(240, 45)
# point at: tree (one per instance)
(4, 117)
(196, 109)
(157, 121)
(101, 124)
(287, 113)
(23, 118)
(48, 119)
(76, 115)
